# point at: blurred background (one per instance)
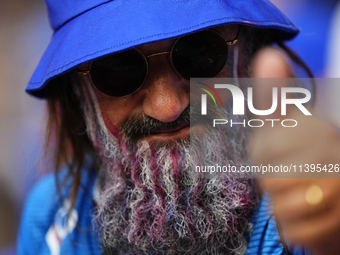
(319, 39)
(24, 35)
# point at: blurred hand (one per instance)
(312, 141)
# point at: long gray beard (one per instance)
(153, 202)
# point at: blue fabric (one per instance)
(42, 215)
(86, 30)
(265, 238)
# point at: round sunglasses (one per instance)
(199, 55)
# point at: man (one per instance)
(116, 79)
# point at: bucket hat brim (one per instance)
(119, 25)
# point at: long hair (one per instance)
(66, 139)
(66, 142)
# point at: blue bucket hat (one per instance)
(85, 30)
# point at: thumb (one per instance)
(271, 63)
(269, 68)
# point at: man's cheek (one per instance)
(113, 112)
(112, 128)
(223, 73)
(103, 105)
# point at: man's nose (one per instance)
(166, 93)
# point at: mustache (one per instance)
(142, 125)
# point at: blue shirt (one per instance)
(44, 229)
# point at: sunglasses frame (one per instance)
(87, 72)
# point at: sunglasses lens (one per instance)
(200, 55)
(119, 74)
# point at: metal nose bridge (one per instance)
(158, 54)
